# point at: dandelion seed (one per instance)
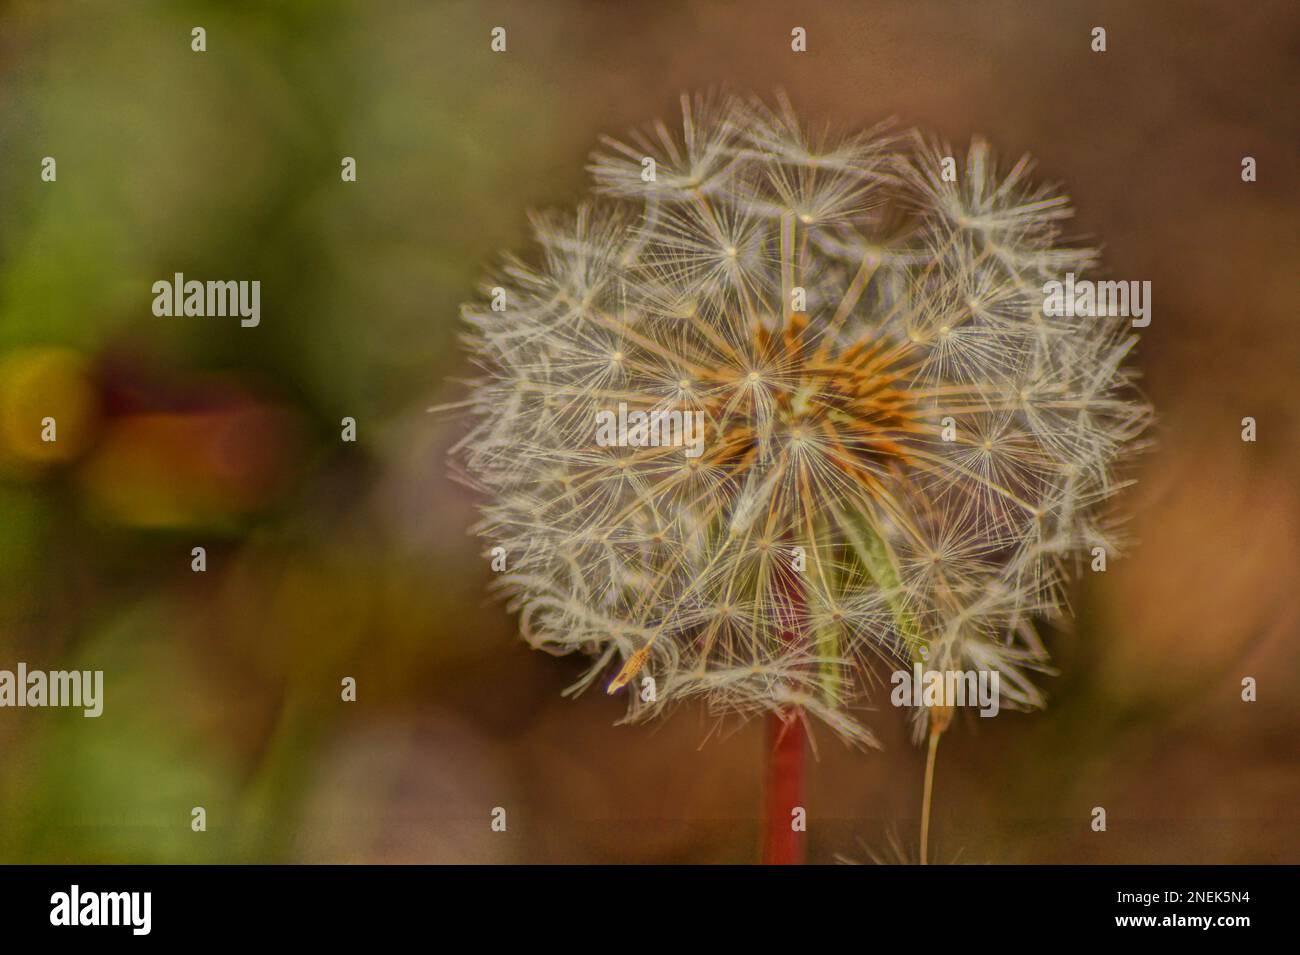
(923, 302)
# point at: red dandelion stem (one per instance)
(782, 845)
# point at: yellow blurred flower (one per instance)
(49, 408)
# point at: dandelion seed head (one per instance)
(829, 522)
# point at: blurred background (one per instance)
(329, 560)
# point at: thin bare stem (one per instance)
(925, 798)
